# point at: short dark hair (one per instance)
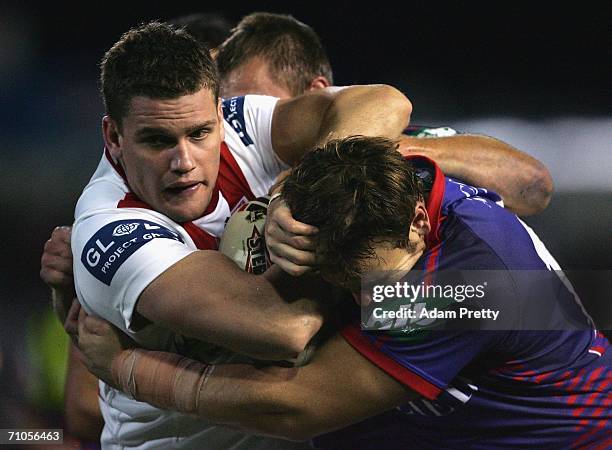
(292, 48)
(210, 28)
(357, 191)
(157, 61)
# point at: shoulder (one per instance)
(117, 253)
(105, 189)
(233, 106)
(239, 110)
(115, 234)
(484, 232)
(248, 123)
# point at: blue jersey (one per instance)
(513, 388)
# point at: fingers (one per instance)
(293, 255)
(290, 243)
(280, 214)
(56, 261)
(275, 234)
(62, 233)
(289, 267)
(93, 325)
(60, 262)
(59, 242)
(56, 278)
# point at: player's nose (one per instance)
(182, 159)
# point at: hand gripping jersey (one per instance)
(485, 389)
(120, 245)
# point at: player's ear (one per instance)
(112, 137)
(420, 223)
(319, 82)
(220, 117)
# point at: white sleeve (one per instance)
(117, 254)
(248, 134)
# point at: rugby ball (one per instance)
(243, 238)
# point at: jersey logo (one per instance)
(125, 228)
(233, 112)
(115, 242)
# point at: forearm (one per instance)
(240, 396)
(337, 388)
(241, 312)
(522, 181)
(379, 110)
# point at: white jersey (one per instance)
(120, 245)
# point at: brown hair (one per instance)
(357, 191)
(291, 48)
(157, 61)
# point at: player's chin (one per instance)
(187, 208)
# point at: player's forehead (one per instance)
(184, 112)
(385, 260)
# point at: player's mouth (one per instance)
(184, 189)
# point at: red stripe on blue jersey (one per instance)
(373, 350)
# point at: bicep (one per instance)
(206, 296)
(175, 298)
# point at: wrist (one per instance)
(122, 371)
(165, 380)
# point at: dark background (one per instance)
(538, 65)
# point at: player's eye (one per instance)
(158, 141)
(200, 134)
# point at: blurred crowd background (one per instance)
(536, 77)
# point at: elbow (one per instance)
(539, 191)
(302, 333)
(394, 100)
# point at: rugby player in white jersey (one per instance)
(176, 163)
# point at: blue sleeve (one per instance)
(425, 360)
